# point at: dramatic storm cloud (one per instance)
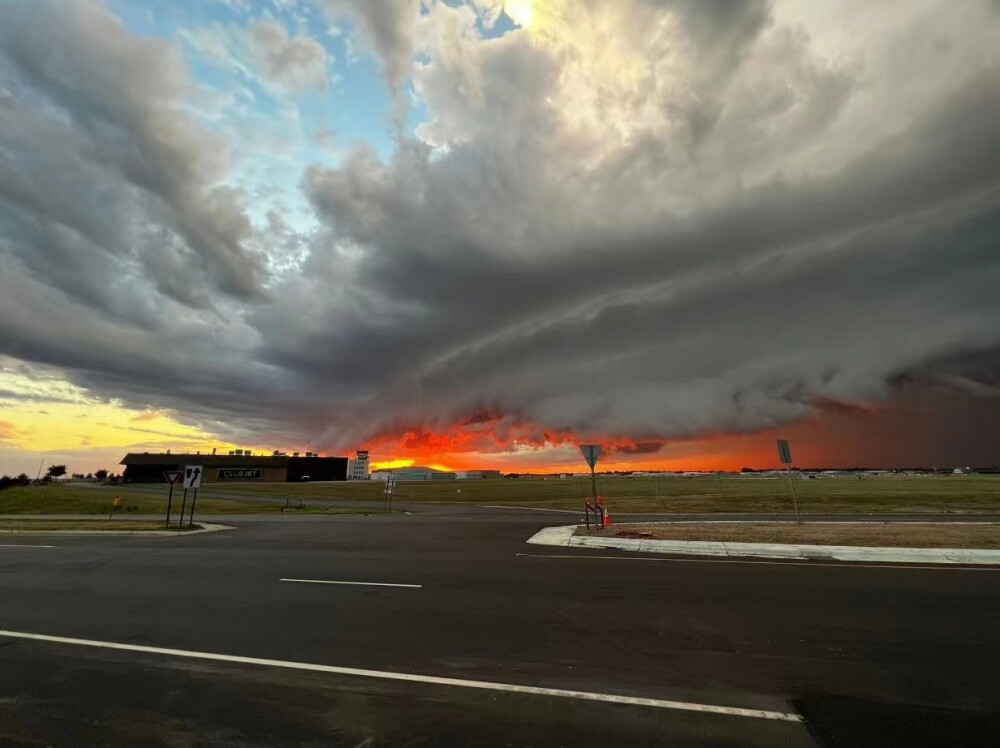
(633, 220)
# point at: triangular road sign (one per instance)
(591, 453)
(173, 476)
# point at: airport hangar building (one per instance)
(143, 467)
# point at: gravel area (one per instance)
(868, 534)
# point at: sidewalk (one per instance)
(564, 536)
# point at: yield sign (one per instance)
(173, 476)
(591, 452)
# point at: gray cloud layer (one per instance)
(708, 223)
(297, 62)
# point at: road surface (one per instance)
(698, 652)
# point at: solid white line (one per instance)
(436, 680)
(360, 584)
(24, 545)
(812, 565)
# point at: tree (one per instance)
(56, 471)
(5, 480)
(90, 476)
(101, 474)
(23, 479)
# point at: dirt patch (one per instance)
(895, 535)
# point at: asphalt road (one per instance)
(855, 656)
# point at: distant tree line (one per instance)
(56, 471)
(21, 480)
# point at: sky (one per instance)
(477, 234)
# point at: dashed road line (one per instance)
(359, 584)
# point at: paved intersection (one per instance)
(861, 656)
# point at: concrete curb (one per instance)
(564, 536)
(203, 528)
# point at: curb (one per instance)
(203, 528)
(565, 536)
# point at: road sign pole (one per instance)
(180, 522)
(591, 453)
(795, 501)
(170, 500)
(785, 454)
(593, 494)
(193, 500)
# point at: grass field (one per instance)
(673, 494)
(57, 499)
(959, 494)
(878, 535)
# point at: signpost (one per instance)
(172, 477)
(591, 453)
(191, 479)
(390, 487)
(785, 453)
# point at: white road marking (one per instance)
(24, 545)
(360, 584)
(410, 677)
(897, 567)
(531, 509)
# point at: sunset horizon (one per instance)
(476, 234)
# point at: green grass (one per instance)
(56, 499)
(873, 534)
(675, 494)
(667, 494)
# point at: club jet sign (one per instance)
(192, 476)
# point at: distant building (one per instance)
(477, 474)
(241, 466)
(359, 468)
(413, 473)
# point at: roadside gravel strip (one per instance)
(203, 527)
(565, 536)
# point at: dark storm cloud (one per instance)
(645, 219)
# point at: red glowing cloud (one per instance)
(912, 429)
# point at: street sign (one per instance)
(591, 453)
(173, 476)
(784, 452)
(192, 476)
